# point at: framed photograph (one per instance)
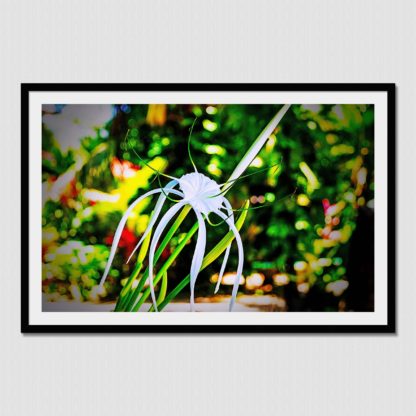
(221, 208)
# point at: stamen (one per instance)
(189, 145)
(165, 194)
(284, 198)
(142, 160)
(234, 181)
(276, 166)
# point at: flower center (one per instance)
(201, 192)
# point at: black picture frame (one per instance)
(390, 327)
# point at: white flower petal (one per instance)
(240, 256)
(227, 251)
(222, 270)
(119, 231)
(201, 192)
(198, 255)
(158, 207)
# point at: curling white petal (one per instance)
(198, 255)
(119, 231)
(222, 270)
(240, 257)
(227, 251)
(158, 232)
(158, 207)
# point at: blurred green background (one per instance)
(309, 247)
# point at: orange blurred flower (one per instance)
(123, 169)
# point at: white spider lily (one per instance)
(204, 196)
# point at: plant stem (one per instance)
(163, 290)
(126, 289)
(135, 293)
(123, 298)
(175, 292)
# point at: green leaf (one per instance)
(210, 257)
(133, 294)
(163, 289)
(165, 266)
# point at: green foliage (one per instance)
(309, 180)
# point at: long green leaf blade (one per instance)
(210, 257)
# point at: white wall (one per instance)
(207, 41)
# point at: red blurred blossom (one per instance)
(326, 204)
(123, 169)
(328, 207)
(45, 248)
(127, 241)
(327, 233)
(48, 156)
(70, 192)
(65, 191)
(165, 253)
